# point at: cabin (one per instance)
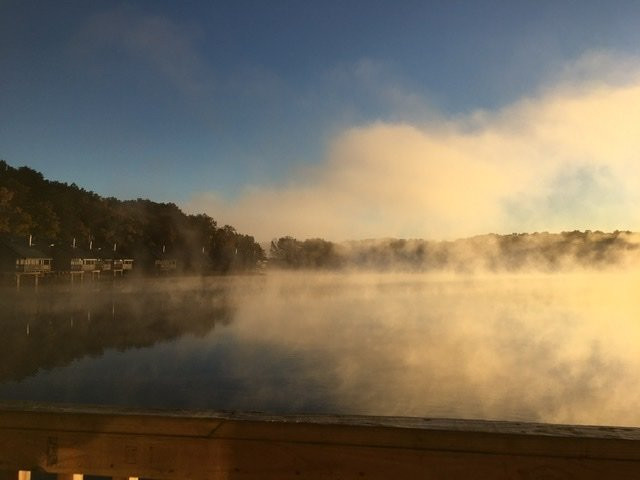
(121, 262)
(165, 262)
(112, 261)
(105, 264)
(90, 264)
(69, 258)
(22, 256)
(105, 260)
(166, 265)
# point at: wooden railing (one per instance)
(122, 444)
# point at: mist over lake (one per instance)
(545, 347)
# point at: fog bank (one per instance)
(536, 252)
(563, 158)
(535, 347)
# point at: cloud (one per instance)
(566, 157)
(154, 40)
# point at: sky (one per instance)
(335, 119)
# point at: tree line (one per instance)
(541, 251)
(57, 213)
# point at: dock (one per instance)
(34, 276)
(122, 443)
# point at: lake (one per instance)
(559, 348)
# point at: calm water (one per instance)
(561, 348)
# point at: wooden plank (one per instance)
(86, 422)
(481, 437)
(203, 445)
(496, 442)
(173, 457)
(286, 461)
(112, 455)
(73, 417)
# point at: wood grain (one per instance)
(210, 445)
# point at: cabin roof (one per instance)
(104, 253)
(107, 253)
(21, 248)
(168, 254)
(74, 252)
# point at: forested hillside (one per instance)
(55, 212)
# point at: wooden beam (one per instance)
(201, 445)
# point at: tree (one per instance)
(30, 204)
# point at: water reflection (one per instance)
(52, 327)
(560, 348)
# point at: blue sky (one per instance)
(211, 104)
